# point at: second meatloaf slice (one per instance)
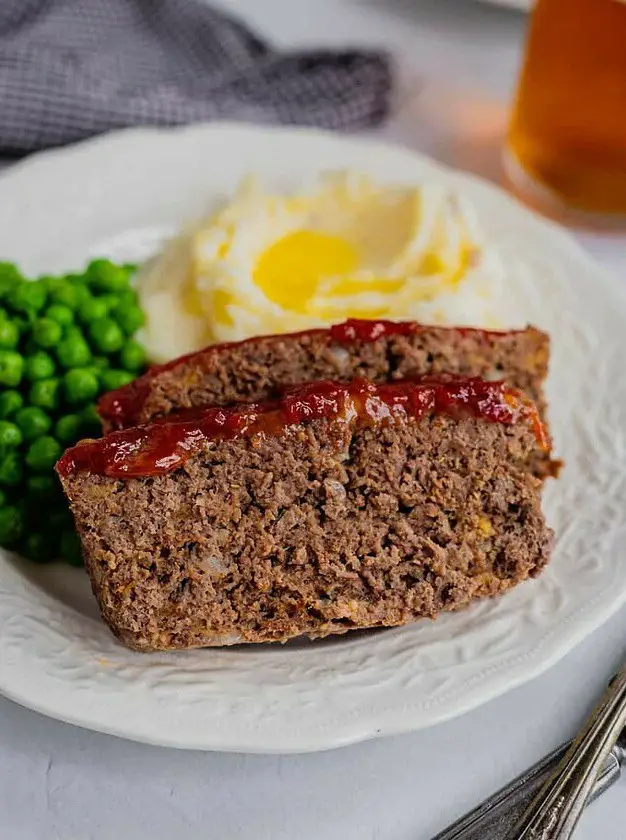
(337, 507)
(257, 369)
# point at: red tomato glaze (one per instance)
(121, 407)
(163, 446)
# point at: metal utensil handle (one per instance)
(555, 811)
(491, 819)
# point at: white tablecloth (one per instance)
(61, 783)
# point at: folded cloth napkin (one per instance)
(73, 68)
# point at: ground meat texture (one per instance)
(327, 526)
(259, 368)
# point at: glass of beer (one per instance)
(567, 138)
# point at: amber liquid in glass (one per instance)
(568, 130)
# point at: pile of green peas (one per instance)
(64, 341)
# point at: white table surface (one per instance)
(458, 62)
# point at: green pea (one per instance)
(10, 435)
(46, 332)
(10, 275)
(6, 286)
(41, 485)
(130, 318)
(133, 356)
(9, 335)
(106, 336)
(37, 547)
(106, 276)
(33, 422)
(22, 324)
(128, 298)
(63, 315)
(11, 470)
(27, 297)
(43, 453)
(50, 282)
(71, 550)
(39, 366)
(45, 394)
(11, 525)
(82, 294)
(67, 428)
(11, 368)
(73, 351)
(93, 309)
(100, 362)
(111, 380)
(74, 331)
(90, 416)
(66, 293)
(81, 384)
(112, 301)
(10, 270)
(10, 402)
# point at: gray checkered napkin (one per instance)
(73, 68)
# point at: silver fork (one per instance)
(491, 819)
(555, 811)
(494, 817)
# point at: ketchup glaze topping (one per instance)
(121, 407)
(164, 445)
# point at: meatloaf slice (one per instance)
(340, 506)
(257, 369)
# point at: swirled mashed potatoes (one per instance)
(348, 247)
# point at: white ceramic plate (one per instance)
(117, 195)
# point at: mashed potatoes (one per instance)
(348, 247)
